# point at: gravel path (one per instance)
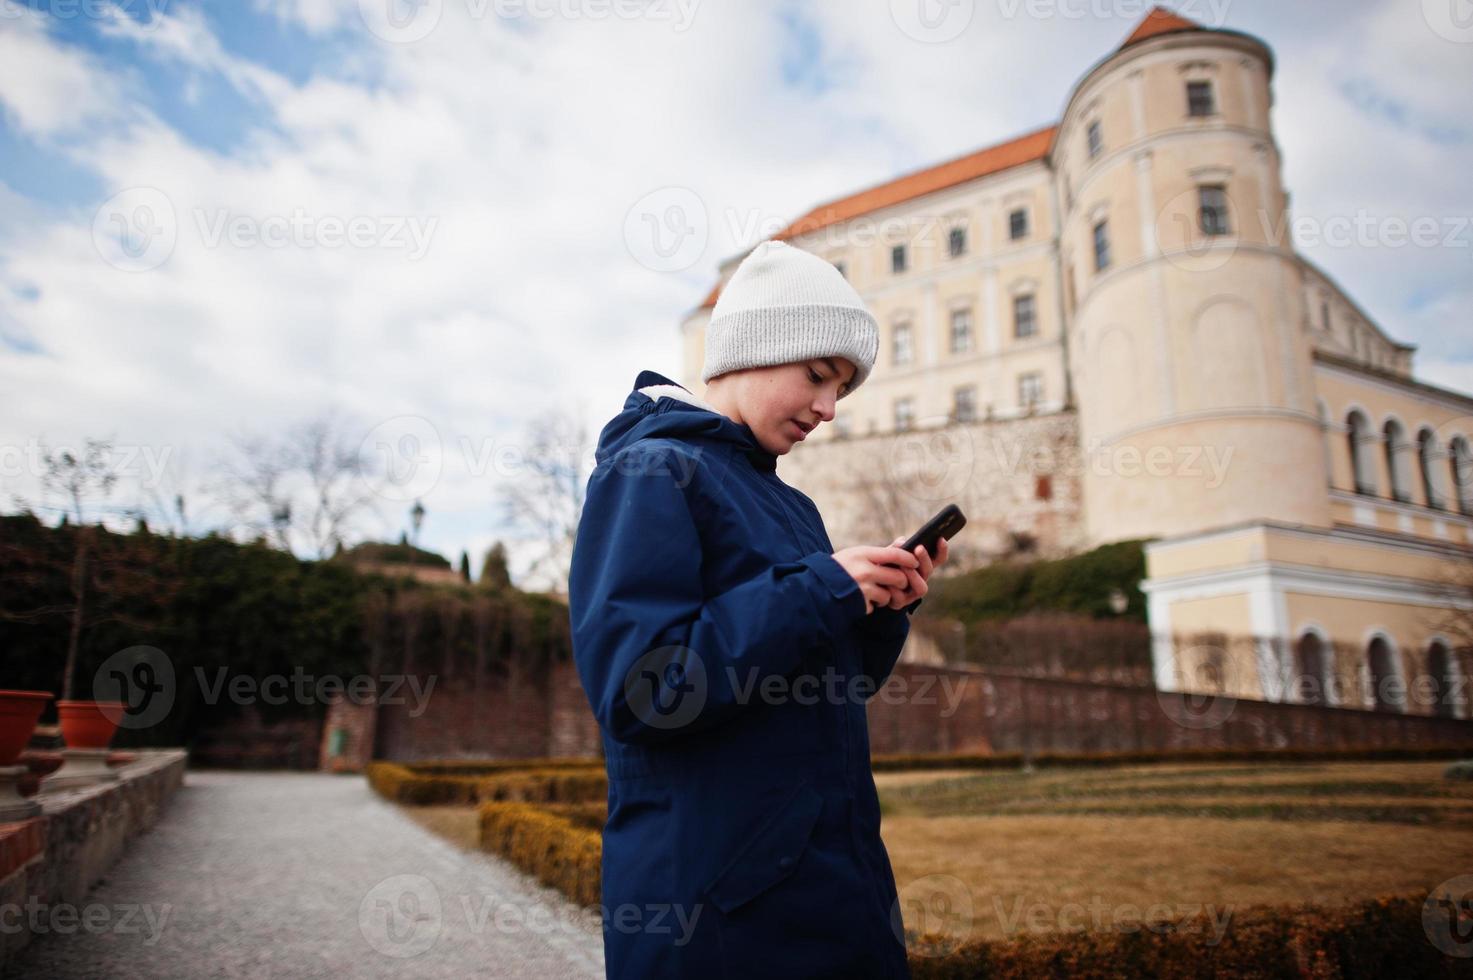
(308, 875)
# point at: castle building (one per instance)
(1101, 331)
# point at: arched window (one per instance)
(1309, 670)
(1427, 465)
(1384, 686)
(1358, 434)
(1444, 680)
(1396, 451)
(1460, 465)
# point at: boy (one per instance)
(728, 651)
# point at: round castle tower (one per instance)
(1188, 359)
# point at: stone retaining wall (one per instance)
(56, 858)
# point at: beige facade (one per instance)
(1101, 331)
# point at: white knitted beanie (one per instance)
(783, 305)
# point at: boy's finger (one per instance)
(896, 578)
(923, 558)
(898, 551)
(893, 555)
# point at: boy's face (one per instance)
(773, 401)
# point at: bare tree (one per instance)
(163, 503)
(253, 488)
(894, 493)
(301, 487)
(97, 567)
(79, 479)
(334, 469)
(885, 499)
(1453, 616)
(545, 498)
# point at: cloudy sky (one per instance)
(434, 218)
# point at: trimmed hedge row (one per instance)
(1383, 937)
(1015, 760)
(589, 816)
(477, 767)
(404, 784)
(548, 844)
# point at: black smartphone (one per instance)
(947, 522)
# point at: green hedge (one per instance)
(1079, 584)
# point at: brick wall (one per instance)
(951, 709)
(921, 709)
(244, 739)
(524, 714)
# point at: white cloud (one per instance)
(48, 90)
(522, 146)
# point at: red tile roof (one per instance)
(1160, 21)
(989, 160)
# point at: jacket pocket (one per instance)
(771, 854)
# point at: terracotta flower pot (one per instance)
(89, 724)
(18, 713)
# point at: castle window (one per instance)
(1360, 460)
(1396, 446)
(1200, 101)
(1030, 390)
(956, 242)
(1309, 661)
(961, 331)
(1018, 224)
(1440, 665)
(1461, 465)
(1102, 245)
(904, 414)
(1385, 692)
(1212, 209)
(1325, 314)
(897, 258)
(1025, 319)
(964, 405)
(1095, 141)
(900, 349)
(1426, 454)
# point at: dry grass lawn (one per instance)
(457, 824)
(994, 854)
(1326, 834)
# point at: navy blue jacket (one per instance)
(728, 658)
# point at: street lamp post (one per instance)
(416, 518)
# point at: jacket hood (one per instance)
(667, 413)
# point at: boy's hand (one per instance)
(871, 568)
(915, 584)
